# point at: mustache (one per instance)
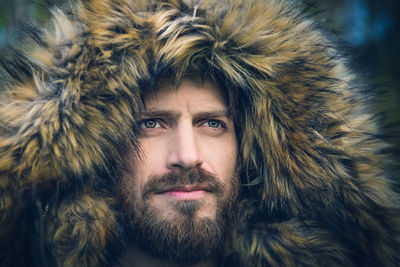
(197, 176)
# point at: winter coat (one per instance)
(313, 186)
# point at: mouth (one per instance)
(185, 192)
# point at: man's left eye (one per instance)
(213, 124)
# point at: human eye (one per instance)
(213, 127)
(151, 127)
(215, 124)
(150, 124)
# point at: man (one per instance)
(184, 180)
(178, 133)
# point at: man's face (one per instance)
(183, 183)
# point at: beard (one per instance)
(187, 237)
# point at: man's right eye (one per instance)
(150, 124)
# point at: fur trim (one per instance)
(314, 188)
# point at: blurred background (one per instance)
(368, 29)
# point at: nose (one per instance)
(184, 151)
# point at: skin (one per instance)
(183, 128)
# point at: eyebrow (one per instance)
(173, 114)
(213, 114)
(161, 113)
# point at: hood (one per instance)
(313, 186)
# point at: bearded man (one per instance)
(179, 190)
(189, 133)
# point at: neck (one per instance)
(135, 256)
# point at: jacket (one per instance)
(313, 186)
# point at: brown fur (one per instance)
(314, 189)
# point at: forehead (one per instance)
(194, 91)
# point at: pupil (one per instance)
(213, 124)
(150, 124)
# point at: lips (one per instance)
(186, 188)
(186, 192)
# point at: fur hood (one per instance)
(314, 192)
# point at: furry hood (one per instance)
(313, 188)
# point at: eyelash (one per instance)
(143, 123)
(157, 123)
(220, 123)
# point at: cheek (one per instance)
(131, 194)
(152, 158)
(221, 159)
(127, 192)
(133, 179)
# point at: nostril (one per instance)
(183, 165)
(177, 167)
